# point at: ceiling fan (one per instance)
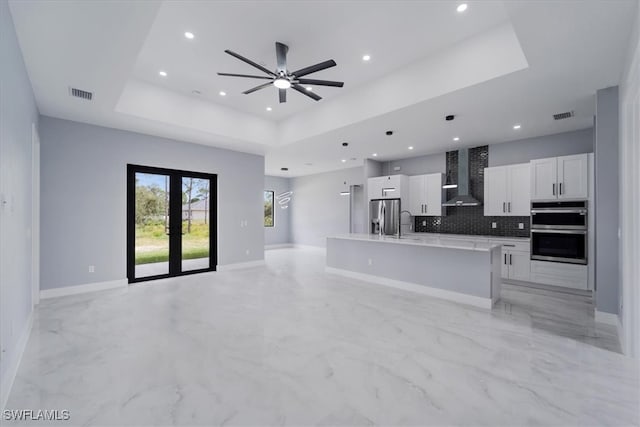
(284, 79)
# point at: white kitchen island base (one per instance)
(456, 270)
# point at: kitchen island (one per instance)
(460, 270)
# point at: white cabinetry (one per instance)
(389, 187)
(425, 194)
(564, 177)
(507, 190)
(559, 274)
(516, 260)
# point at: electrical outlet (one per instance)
(494, 225)
(424, 223)
(92, 269)
(396, 168)
(370, 261)
(521, 225)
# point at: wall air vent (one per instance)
(79, 93)
(561, 116)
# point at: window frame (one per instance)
(273, 209)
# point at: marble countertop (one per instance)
(440, 241)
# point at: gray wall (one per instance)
(84, 198)
(280, 233)
(506, 153)
(524, 150)
(17, 113)
(607, 201)
(317, 208)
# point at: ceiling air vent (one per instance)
(79, 93)
(561, 116)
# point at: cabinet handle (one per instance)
(510, 259)
(503, 207)
(509, 204)
(554, 189)
(561, 189)
(505, 259)
(425, 208)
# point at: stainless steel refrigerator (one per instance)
(384, 217)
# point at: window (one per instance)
(268, 209)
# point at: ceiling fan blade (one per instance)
(320, 82)
(245, 75)
(304, 91)
(283, 95)
(262, 86)
(250, 62)
(281, 56)
(314, 68)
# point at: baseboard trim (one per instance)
(613, 320)
(14, 362)
(279, 246)
(81, 289)
(475, 301)
(240, 265)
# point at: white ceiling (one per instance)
(496, 64)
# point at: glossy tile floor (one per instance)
(288, 344)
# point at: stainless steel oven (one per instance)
(559, 232)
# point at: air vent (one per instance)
(79, 93)
(562, 116)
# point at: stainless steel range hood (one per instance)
(463, 198)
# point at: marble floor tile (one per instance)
(288, 344)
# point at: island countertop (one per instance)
(439, 241)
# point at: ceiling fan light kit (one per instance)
(282, 78)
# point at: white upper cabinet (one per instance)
(389, 187)
(425, 194)
(544, 177)
(573, 177)
(564, 177)
(519, 190)
(495, 191)
(507, 190)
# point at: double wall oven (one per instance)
(559, 232)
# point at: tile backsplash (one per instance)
(471, 219)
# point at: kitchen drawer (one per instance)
(513, 245)
(560, 274)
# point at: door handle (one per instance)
(561, 189)
(554, 189)
(510, 259)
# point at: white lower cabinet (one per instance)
(516, 262)
(574, 276)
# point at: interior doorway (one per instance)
(171, 222)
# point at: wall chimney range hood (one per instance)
(463, 198)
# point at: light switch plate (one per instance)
(494, 225)
(424, 223)
(521, 225)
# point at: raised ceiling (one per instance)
(496, 64)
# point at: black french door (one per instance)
(171, 222)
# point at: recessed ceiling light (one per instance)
(284, 169)
(308, 164)
(366, 57)
(163, 73)
(309, 88)
(223, 93)
(196, 92)
(461, 7)
(375, 154)
(189, 35)
(456, 139)
(517, 127)
(344, 160)
(269, 108)
(411, 147)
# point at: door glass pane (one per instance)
(195, 223)
(152, 225)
